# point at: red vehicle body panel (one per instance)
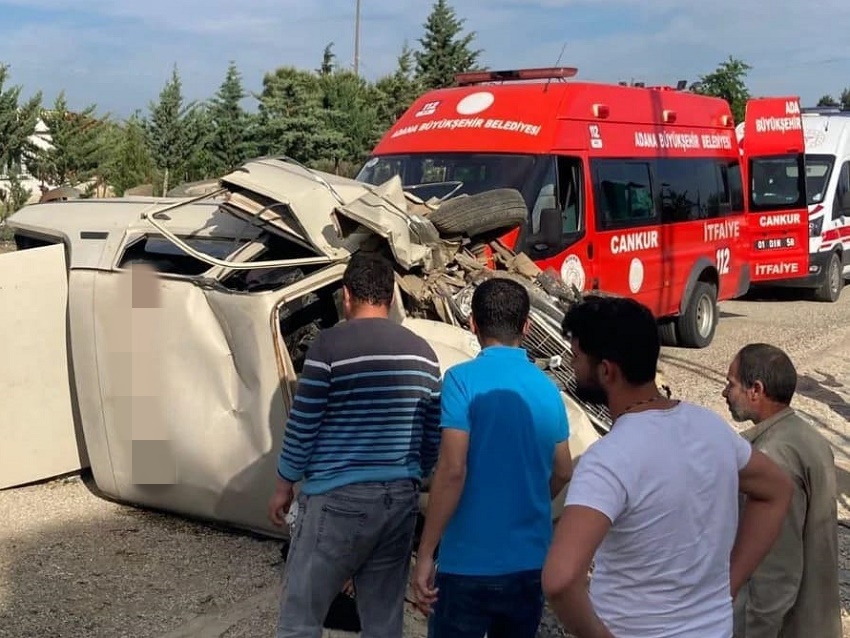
(674, 233)
(778, 232)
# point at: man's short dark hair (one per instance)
(770, 365)
(370, 279)
(617, 329)
(500, 309)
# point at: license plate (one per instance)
(775, 243)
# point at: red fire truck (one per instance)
(637, 191)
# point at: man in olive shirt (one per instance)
(794, 593)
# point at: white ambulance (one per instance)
(827, 135)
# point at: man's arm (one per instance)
(562, 468)
(768, 490)
(772, 589)
(430, 447)
(305, 416)
(450, 475)
(446, 488)
(595, 499)
(579, 532)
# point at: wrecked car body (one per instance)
(180, 326)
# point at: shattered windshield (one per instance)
(444, 175)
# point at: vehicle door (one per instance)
(40, 437)
(629, 243)
(774, 158)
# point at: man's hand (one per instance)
(423, 583)
(280, 502)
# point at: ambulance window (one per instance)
(818, 171)
(842, 193)
(623, 193)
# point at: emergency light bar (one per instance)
(546, 73)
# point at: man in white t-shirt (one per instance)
(655, 501)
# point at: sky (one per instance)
(117, 54)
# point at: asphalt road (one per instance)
(72, 564)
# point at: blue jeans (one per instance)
(508, 606)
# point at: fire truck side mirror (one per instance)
(550, 226)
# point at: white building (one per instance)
(40, 139)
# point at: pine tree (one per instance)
(130, 163)
(398, 90)
(230, 124)
(77, 148)
(444, 51)
(17, 124)
(169, 137)
(292, 116)
(328, 63)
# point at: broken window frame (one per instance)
(152, 218)
(311, 283)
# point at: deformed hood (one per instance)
(330, 214)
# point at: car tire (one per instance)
(696, 326)
(833, 281)
(501, 208)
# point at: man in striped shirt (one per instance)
(362, 433)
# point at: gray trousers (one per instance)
(364, 531)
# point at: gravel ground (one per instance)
(73, 564)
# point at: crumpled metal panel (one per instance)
(191, 400)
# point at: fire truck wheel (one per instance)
(667, 333)
(481, 213)
(833, 281)
(697, 324)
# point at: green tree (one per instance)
(201, 160)
(827, 100)
(445, 52)
(13, 196)
(397, 91)
(77, 146)
(328, 57)
(350, 115)
(845, 99)
(169, 134)
(130, 163)
(728, 82)
(292, 118)
(230, 126)
(17, 124)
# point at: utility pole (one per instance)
(357, 40)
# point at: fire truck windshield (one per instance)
(444, 175)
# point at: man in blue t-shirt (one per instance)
(503, 456)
